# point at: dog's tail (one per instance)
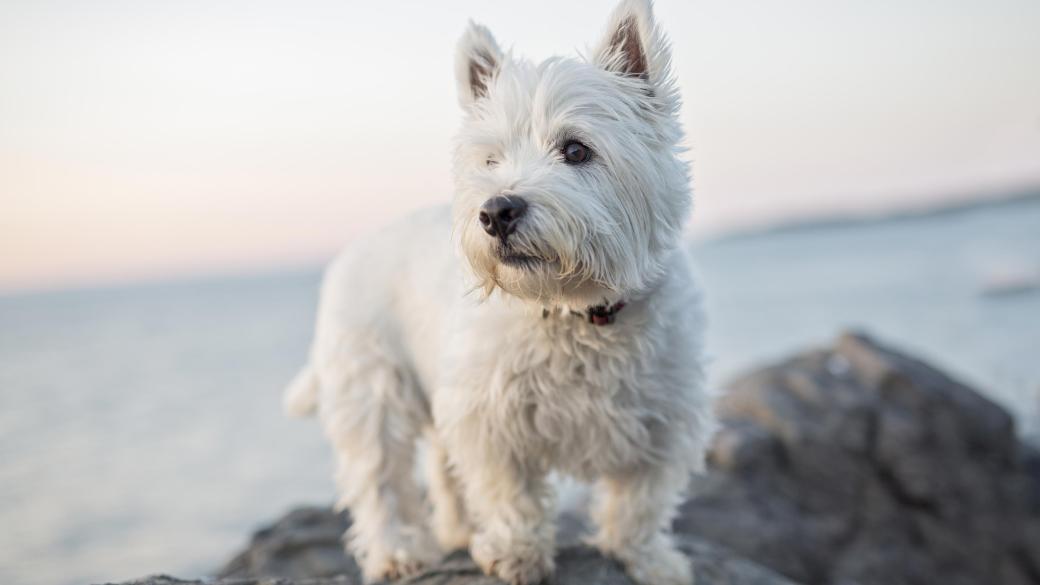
(301, 397)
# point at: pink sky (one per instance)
(143, 140)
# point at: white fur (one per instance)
(418, 337)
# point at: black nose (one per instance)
(500, 215)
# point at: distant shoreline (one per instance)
(865, 219)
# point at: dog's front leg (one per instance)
(514, 537)
(633, 513)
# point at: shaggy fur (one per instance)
(495, 363)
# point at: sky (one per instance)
(147, 139)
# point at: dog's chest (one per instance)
(577, 399)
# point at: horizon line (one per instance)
(246, 271)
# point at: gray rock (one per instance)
(306, 544)
(852, 465)
(859, 465)
(576, 565)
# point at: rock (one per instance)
(160, 580)
(851, 465)
(859, 465)
(576, 565)
(306, 544)
(167, 580)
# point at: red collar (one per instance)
(598, 315)
(604, 315)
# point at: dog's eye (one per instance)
(576, 153)
(491, 162)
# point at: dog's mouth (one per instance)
(511, 257)
(520, 261)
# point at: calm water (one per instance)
(140, 429)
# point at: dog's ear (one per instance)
(633, 46)
(477, 60)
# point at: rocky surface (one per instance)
(576, 565)
(859, 465)
(851, 465)
(306, 544)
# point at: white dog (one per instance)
(561, 331)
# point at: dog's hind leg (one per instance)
(449, 521)
(372, 411)
(633, 512)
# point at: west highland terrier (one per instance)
(559, 330)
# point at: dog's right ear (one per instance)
(477, 60)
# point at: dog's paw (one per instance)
(519, 569)
(392, 568)
(657, 562)
(390, 565)
(516, 562)
(658, 565)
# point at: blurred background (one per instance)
(173, 176)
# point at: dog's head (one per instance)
(569, 185)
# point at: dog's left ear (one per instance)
(634, 47)
(477, 61)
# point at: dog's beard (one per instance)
(516, 266)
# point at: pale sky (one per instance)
(144, 139)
